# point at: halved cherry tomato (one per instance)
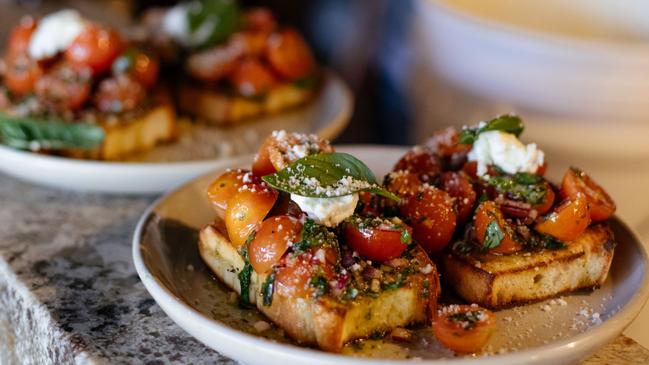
(272, 239)
(20, 36)
(489, 212)
(422, 162)
(278, 151)
(464, 328)
(432, 217)
(64, 88)
(402, 183)
(369, 204)
(445, 142)
(250, 77)
(285, 206)
(226, 185)
(259, 19)
(294, 278)
(568, 220)
(141, 66)
(119, 94)
(96, 47)
(21, 74)
(289, 54)
(458, 186)
(576, 181)
(377, 239)
(246, 209)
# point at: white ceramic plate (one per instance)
(199, 150)
(553, 332)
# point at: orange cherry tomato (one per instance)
(432, 217)
(471, 169)
(20, 36)
(226, 185)
(64, 88)
(246, 209)
(402, 183)
(422, 162)
(252, 42)
(576, 181)
(289, 54)
(294, 278)
(377, 239)
(273, 238)
(457, 185)
(568, 220)
(464, 328)
(21, 74)
(489, 212)
(96, 47)
(276, 152)
(119, 94)
(251, 77)
(259, 19)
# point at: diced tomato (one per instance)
(568, 220)
(64, 88)
(431, 215)
(289, 54)
(96, 47)
(273, 238)
(21, 74)
(464, 328)
(251, 77)
(487, 213)
(422, 162)
(20, 36)
(458, 186)
(378, 242)
(246, 209)
(577, 182)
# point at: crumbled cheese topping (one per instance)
(295, 146)
(505, 151)
(54, 33)
(345, 186)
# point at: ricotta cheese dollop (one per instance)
(54, 33)
(506, 151)
(327, 211)
(176, 25)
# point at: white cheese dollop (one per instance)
(54, 33)
(176, 25)
(506, 151)
(327, 211)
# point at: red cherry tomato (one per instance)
(568, 220)
(289, 54)
(577, 182)
(139, 65)
(275, 153)
(226, 185)
(259, 19)
(119, 94)
(21, 74)
(432, 217)
(422, 162)
(377, 239)
(369, 204)
(64, 88)
(250, 77)
(96, 47)
(272, 240)
(458, 186)
(464, 328)
(402, 183)
(487, 213)
(20, 36)
(471, 169)
(253, 43)
(285, 206)
(246, 209)
(294, 278)
(445, 142)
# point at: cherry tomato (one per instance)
(576, 181)
(214, 63)
(250, 77)
(445, 142)
(464, 328)
(226, 185)
(369, 204)
(294, 278)
(259, 19)
(422, 162)
(489, 212)
(568, 220)
(277, 151)
(457, 185)
(21, 74)
(377, 239)
(273, 238)
(431, 216)
(285, 206)
(139, 65)
(246, 209)
(64, 88)
(20, 36)
(252, 42)
(96, 47)
(471, 169)
(402, 183)
(119, 94)
(289, 54)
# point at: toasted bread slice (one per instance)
(325, 321)
(496, 281)
(215, 107)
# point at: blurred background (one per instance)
(577, 72)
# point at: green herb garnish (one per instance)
(406, 237)
(320, 285)
(506, 123)
(34, 134)
(314, 235)
(468, 320)
(552, 243)
(245, 274)
(493, 236)
(218, 19)
(327, 175)
(267, 289)
(521, 186)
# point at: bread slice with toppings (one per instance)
(327, 321)
(495, 281)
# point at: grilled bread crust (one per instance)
(495, 281)
(215, 107)
(325, 322)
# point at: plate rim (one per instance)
(558, 350)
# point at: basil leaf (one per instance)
(268, 288)
(552, 243)
(493, 236)
(406, 237)
(521, 186)
(220, 18)
(314, 235)
(506, 123)
(32, 134)
(327, 175)
(245, 274)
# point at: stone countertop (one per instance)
(70, 295)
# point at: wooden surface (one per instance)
(622, 351)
